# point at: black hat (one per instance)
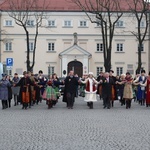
(111, 71)
(24, 72)
(40, 71)
(4, 75)
(127, 73)
(142, 71)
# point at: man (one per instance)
(25, 90)
(107, 83)
(71, 83)
(42, 84)
(99, 87)
(16, 90)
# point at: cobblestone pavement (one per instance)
(80, 128)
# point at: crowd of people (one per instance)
(32, 89)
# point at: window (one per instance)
(51, 23)
(83, 24)
(67, 23)
(8, 22)
(30, 23)
(99, 47)
(119, 23)
(119, 71)
(142, 24)
(142, 48)
(130, 68)
(51, 46)
(50, 70)
(119, 47)
(98, 70)
(31, 46)
(8, 46)
(6, 70)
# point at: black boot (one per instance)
(9, 103)
(88, 104)
(3, 104)
(6, 104)
(23, 105)
(127, 104)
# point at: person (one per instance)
(9, 90)
(99, 87)
(120, 85)
(90, 90)
(71, 83)
(25, 90)
(141, 89)
(55, 83)
(82, 86)
(49, 94)
(33, 88)
(15, 90)
(4, 84)
(147, 86)
(77, 88)
(107, 83)
(114, 92)
(42, 84)
(128, 91)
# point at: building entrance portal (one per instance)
(77, 67)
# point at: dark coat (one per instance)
(70, 86)
(107, 87)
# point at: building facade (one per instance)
(69, 41)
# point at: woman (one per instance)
(128, 91)
(90, 90)
(55, 85)
(120, 85)
(4, 84)
(9, 90)
(49, 94)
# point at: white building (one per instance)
(60, 50)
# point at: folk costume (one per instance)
(90, 90)
(147, 89)
(42, 84)
(25, 90)
(49, 94)
(128, 91)
(148, 92)
(141, 96)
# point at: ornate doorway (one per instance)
(76, 66)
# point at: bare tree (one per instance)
(23, 11)
(106, 14)
(140, 10)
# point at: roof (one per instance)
(60, 5)
(75, 49)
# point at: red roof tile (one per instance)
(59, 5)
